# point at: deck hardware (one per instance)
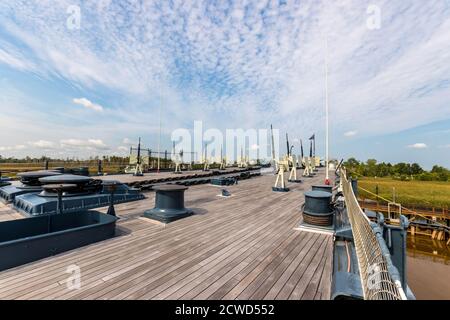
(308, 169)
(169, 204)
(111, 186)
(293, 171)
(85, 193)
(59, 189)
(282, 166)
(318, 209)
(29, 183)
(324, 187)
(4, 181)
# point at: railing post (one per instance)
(355, 187)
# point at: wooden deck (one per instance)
(7, 213)
(241, 247)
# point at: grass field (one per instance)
(424, 194)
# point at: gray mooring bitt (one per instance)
(169, 204)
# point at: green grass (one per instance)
(420, 194)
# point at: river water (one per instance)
(428, 268)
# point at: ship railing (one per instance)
(379, 278)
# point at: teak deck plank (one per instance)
(241, 247)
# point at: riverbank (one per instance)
(428, 268)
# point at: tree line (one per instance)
(400, 171)
(112, 159)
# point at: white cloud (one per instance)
(42, 144)
(89, 143)
(13, 148)
(418, 145)
(350, 133)
(127, 141)
(88, 104)
(123, 148)
(15, 60)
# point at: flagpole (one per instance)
(159, 136)
(327, 177)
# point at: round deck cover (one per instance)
(65, 179)
(38, 174)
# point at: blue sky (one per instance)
(232, 64)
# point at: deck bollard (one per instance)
(169, 204)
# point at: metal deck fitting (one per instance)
(29, 183)
(326, 188)
(169, 204)
(85, 193)
(318, 210)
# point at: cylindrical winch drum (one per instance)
(169, 204)
(171, 199)
(318, 210)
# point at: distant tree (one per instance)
(402, 168)
(443, 176)
(352, 165)
(383, 169)
(371, 168)
(416, 169)
(425, 176)
(438, 169)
